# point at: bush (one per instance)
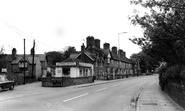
(17, 77)
(175, 72)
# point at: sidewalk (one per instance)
(153, 99)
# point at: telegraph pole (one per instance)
(24, 63)
(33, 55)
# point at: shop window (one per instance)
(66, 71)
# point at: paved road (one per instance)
(112, 96)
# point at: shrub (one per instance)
(174, 71)
(17, 77)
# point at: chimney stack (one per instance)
(97, 43)
(91, 42)
(32, 51)
(114, 50)
(121, 52)
(14, 53)
(106, 46)
(83, 48)
(88, 40)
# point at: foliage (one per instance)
(55, 56)
(68, 51)
(18, 78)
(146, 62)
(164, 27)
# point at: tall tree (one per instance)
(68, 51)
(146, 62)
(164, 28)
(53, 57)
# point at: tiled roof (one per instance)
(42, 57)
(116, 57)
(74, 55)
(28, 57)
(72, 60)
(90, 55)
(105, 51)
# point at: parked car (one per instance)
(5, 83)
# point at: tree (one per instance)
(164, 27)
(68, 51)
(56, 56)
(146, 62)
(3, 61)
(53, 57)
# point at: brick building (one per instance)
(108, 64)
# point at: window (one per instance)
(66, 71)
(81, 73)
(21, 64)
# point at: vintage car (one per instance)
(5, 83)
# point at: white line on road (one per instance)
(115, 85)
(101, 89)
(75, 97)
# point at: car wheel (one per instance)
(1, 88)
(11, 87)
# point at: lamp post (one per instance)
(119, 49)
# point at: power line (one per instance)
(16, 31)
(13, 28)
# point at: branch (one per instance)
(168, 6)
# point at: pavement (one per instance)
(151, 98)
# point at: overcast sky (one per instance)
(56, 24)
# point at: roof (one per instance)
(116, 57)
(106, 51)
(74, 55)
(37, 57)
(42, 57)
(90, 55)
(73, 60)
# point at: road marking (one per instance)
(101, 89)
(75, 97)
(115, 85)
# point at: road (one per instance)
(111, 96)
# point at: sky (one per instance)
(55, 24)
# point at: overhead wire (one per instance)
(11, 26)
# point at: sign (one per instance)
(85, 64)
(65, 63)
(56, 79)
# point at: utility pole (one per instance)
(33, 55)
(24, 63)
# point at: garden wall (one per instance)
(65, 81)
(175, 88)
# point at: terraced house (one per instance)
(108, 64)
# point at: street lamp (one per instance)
(119, 49)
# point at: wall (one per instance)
(65, 81)
(73, 72)
(175, 88)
